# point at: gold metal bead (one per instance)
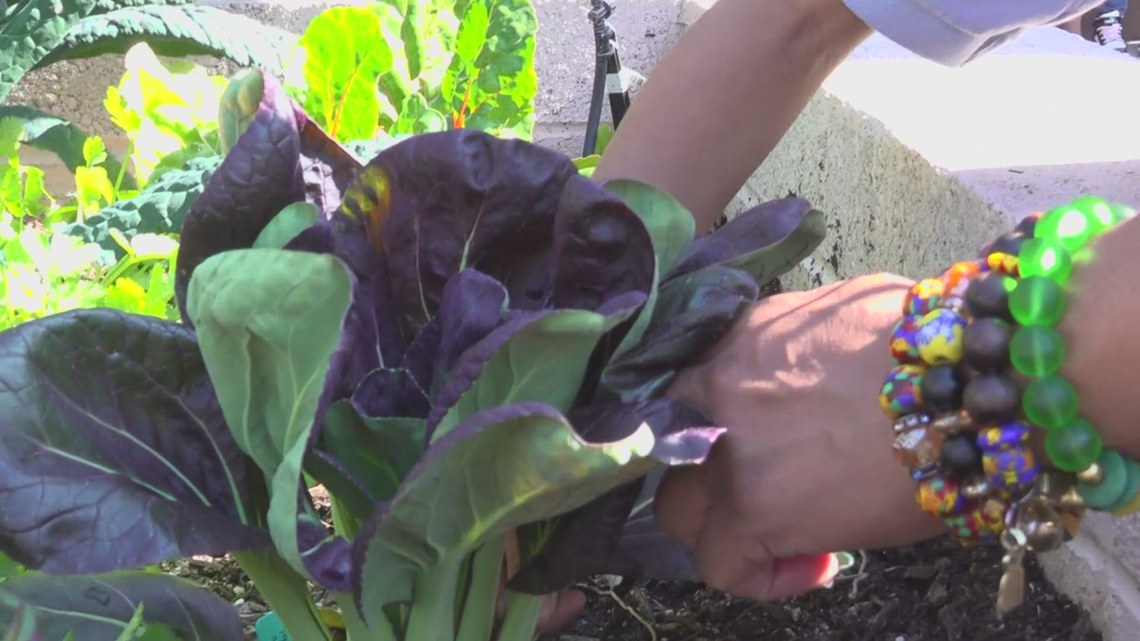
(975, 488)
(1071, 499)
(1042, 526)
(911, 422)
(955, 422)
(1091, 475)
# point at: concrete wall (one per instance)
(916, 166)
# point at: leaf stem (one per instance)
(123, 164)
(357, 629)
(521, 620)
(286, 592)
(432, 616)
(477, 618)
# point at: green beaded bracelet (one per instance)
(1037, 303)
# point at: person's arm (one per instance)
(1101, 328)
(716, 105)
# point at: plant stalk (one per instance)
(432, 616)
(521, 620)
(355, 627)
(286, 592)
(477, 619)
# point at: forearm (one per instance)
(717, 104)
(1101, 328)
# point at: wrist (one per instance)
(1009, 398)
(1100, 358)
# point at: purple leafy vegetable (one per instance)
(281, 158)
(464, 341)
(113, 450)
(764, 241)
(99, 607)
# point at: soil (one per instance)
(936, 591)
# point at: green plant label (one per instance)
(270, 628)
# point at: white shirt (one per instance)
(954, 32)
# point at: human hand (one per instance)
(806, 467)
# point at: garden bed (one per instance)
(935, 591)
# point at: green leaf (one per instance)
(31, 30)
(238, 106)
(491, 83)
(586, 164)
(417, 117)
(378, 451)
(426, 30)
(8, 567)
(176, 31)
(58, 136)
(345, 54)
(670, 224)
(520, 370)
(101, 607)
(107, 6)
(159, 209)
(168, 109)
(19, 623)
(286, 224)
(502, 468)
(268, 322)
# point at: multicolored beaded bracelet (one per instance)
(989, 430)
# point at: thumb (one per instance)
(738, 562)
(782, 578)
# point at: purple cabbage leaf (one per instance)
(281, 157)
(691, 312)
(42, 607)
(114, 453)
(765, 241)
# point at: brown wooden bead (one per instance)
(990, 399)
(988, 295)
(1008, 243)
(961, 457)
(942, 388)
(985, 344)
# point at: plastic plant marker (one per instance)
(270, 628)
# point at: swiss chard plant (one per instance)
(37, 33)
(464, 340)
(395, 68)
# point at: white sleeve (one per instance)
(954, 32)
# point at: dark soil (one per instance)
(937, 591)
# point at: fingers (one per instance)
(560, 610)
(728, 558)
(682, 503)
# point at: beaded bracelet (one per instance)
(975, 391)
